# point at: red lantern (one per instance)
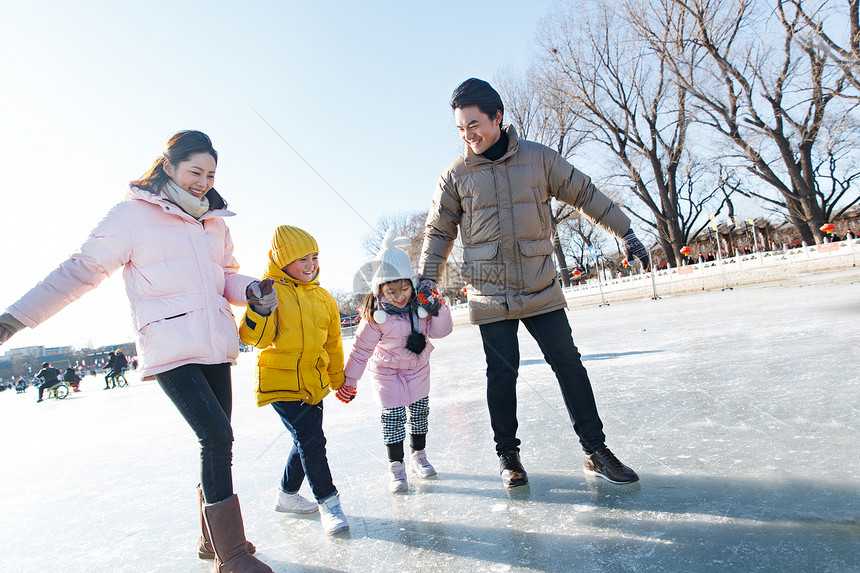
(686, 250)
(625, 263)
(828, 227)
(576, 273)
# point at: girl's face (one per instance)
(398, 292)
(195, 175)
(304, 269)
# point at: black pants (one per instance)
(553, 335)
(46, 385)
(203, 395)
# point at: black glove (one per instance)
(633, 247)
(428, 297)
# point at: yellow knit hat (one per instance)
(289, 244)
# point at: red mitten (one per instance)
(346, 393)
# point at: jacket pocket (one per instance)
(176, 337)
(539, 247)
(278, 372)
(538, 270)
(476, 262)
(541, 207)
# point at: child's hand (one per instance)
(346, 393)
(261, 297)
(428, 297)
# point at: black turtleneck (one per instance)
(498, 149)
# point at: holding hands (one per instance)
(346, 393)
(262, 297)
(428, 297)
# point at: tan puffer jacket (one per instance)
(502, 209)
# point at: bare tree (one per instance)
(410, 225)
(770, 99)
(628, 103)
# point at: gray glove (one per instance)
(262, 297)
(9, 325)
(633, 248)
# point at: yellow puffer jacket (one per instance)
(302, 352)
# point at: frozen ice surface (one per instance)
(738, 409)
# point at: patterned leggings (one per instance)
(394, 421)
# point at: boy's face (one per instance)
(477, 129)
(398, 292)
(304, 269)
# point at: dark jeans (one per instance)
(307, 458)
(553, 335)
(203, 395)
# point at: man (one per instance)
(50, 377)
(497, 194)
(109, 381)
(117, 363)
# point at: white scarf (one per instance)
(185, 200)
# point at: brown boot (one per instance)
(227, 534)
(204, 546)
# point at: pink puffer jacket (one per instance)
(400, 377)
(180, 276)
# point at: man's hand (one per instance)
(428, 297)
(262, 297)
(346, 393)
(633, 247)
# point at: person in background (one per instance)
(70, 377)
(109, 381)
(497, 195)
(50, 377)
(170, 237)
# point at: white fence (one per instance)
(739, 270)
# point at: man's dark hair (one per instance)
(477, 92)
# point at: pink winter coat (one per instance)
(180, 277)
(400, 377)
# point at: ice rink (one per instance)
(739, 410)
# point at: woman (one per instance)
(170, 238)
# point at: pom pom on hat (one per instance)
(291, 243)
(392, 263)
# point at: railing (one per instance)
(725, 272)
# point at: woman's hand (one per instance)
(9, 325)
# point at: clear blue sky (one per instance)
(92, 90)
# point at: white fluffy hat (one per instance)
(392, 263)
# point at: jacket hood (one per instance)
(279, 276)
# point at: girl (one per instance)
(392, 341)
(170, 237)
